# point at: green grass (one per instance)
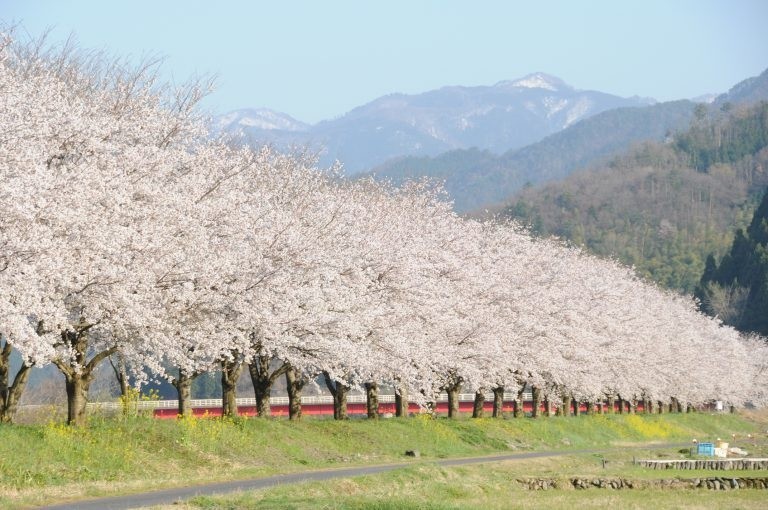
(44, 463)
(491, 486)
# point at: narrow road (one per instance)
(170, 496)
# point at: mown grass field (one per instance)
(46, 463)
(492, 486)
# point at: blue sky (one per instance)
(318, 59)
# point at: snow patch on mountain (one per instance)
(578, 111)
(258, 118)
(536, 81)
(554, 105)
(530, 106)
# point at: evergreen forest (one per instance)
(736, 289)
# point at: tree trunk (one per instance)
(591, 408)
(77, 398)
(611, 404)
(536, 411)
(228, 397)
(183, 385)
(576, 407)
(10, 395)
(548, 406)
(230, 373)
(566, 409)
(633, 406)
(401, 402)
(294, 384)
(372, 400)
(477, 408)
(660, 407)
(78, 372)
(121, 373)
(340, 402)
(258, 368)
(621, 404)
(262, 381)
(498, 402)
(339, 392)
(518, 412)
(453, 400)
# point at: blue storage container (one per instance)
(706, 449)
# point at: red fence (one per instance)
(359, 408)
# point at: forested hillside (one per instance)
(736, 289)
(662, 207)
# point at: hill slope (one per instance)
(658, 207)
(748, 91)
(736, 290)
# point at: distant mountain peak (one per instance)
(509, 115)
(536, 81)
(259, 118)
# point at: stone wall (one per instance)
(710, 483)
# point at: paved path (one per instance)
(170, 496)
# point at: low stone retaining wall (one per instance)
(709, 483)
(717, 464)
(723, 484)
(539, 484)
(602, 483)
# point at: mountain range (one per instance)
(506, 116)
(477, 180)
(484, 143)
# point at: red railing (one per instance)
(359, 408)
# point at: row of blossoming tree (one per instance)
(128, 230)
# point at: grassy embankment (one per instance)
(493, 486)
(45, 463)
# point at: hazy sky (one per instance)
(318, 59)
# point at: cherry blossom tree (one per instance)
(89, 146)
(127, 228)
